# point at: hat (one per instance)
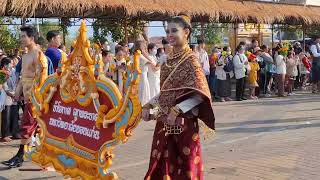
(252, 57)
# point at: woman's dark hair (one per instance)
(30, 31)
(192, 47)
(61, 46)
(140, 45)
(151, 46)
(104, 52)
(200, 41)
(239, 47)
(242, 43)
(225, 48)
(5, 61)
(52, 34)
(264, 47)
(184, 21)
(164, 42)
(120, 48)
(159, 50)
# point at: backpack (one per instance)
(229, 67)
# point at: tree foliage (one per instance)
(116, 29)
(9, 39)
(213, 33)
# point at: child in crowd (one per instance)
(253, 75)
(292, 72)
(305, 69)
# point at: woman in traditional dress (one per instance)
(145, 62)
(154, 72)
(184, 98)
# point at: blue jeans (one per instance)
(213, 83)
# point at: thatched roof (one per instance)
(213, 10)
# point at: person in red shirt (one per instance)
(305, 70)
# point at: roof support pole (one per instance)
(280, 34)
(272, 36)
(202, 29)
(126, 33)
(304, 36)
(259, 35)
(235, 32)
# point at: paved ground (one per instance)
(272, 139)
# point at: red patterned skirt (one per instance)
(176, 157)
(29, 123)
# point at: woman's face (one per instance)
(176, 34)
(121, 55)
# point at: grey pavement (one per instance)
(274, 138)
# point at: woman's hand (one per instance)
(171, 119)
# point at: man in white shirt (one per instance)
(315, 51)
(204, 59)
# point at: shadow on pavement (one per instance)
(271, 121)
(274, 101)
(43, 178)
(4, 169)
(269, 129)
(3, 178)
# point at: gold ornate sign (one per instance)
(83, 115)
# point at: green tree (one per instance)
(213, 33)
(103, 29)
(47, 26)
(9, 39)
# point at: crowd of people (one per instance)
(264, 71)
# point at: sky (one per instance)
(154, 30)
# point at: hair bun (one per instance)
(185, 17)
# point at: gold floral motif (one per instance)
(171, 168)
(186, 151)
(202, 168)
(189, 174)
(166, 177)
(196, 160)
(179, 160)
(195, 137)
(154, 153)
(166, 154)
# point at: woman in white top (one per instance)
(281, 71)
(153, 72)
(240, 63)
(145, 62)
(224, 74)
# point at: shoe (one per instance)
(7, 139)
(243, 98)
(290, 94)
(239, 99)
(228, 99)
(8, 162)
(17, 162)
(17, 136)
(222, 100)
(267, 95)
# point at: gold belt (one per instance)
(172, 129)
